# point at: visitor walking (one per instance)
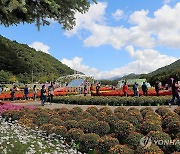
(125, 89)
(91, 89)
(144, 89)
(157, 88)
(50, 93)
(98, 89)
(43, 95)
(175, 93)
(85, 90)
(0, 90)
(34, 92)
(26, 91)
(136, 89)
(12, 90)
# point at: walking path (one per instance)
(84, 107)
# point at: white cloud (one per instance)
(145, 61)
(118, 14)
(145, 32)
(39, 46)
(166, 1)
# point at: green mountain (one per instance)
(162, 74)
(19, 62)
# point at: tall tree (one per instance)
(39, 11)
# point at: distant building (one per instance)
(131, 82)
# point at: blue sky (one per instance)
(112, 39)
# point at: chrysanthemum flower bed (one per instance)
(114, 100)
(104, 131)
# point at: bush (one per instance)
(60, 131)
(148, 126)
(135, 113)
(83, 115)
(123, 129)
(92, 110)
(42, 118)
(46, 128)
(75, 134)
(133, 139)
(120, 110)
(162, 111)
(105, 143)
(173, 128)
(120, 149)
(101, 128)
(62, 111)
(158, 135)
(107, 110)
(145, 110)
(111, 119)
(89, 142)
(86, 125)
(66, 117)
(57, 122)
(177, 110)
(70, 124)
(153, 117)
(121, 116)
(153, 149)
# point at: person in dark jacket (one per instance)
(175, 93)
(144, 89)
(157, 88)
(43, 95)
(26, 91)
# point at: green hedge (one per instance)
(113, 100)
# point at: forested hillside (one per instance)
(19, 62)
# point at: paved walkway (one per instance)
(84, 107)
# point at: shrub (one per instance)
(177, 110)
(145, 110)
(42, 118)
(92, 110)
(153, 149)
(135, 113)
(162, 111)
(107, 110)
(62, 111)
(133, 120)
(75, 134)
(26, 123)
(89, 142)
(120, 149)
(66, 117)
(70, 124)
(123, 129)
(77, 109)
(159, 135)
(173, 128)
(168, 120)
(120, 110)
(86, 125)
(60, 131)
(111, 119)
(46, 128)
(133, 139)
(105, 143)
(57, 122)
(92, 118)
(83, 115)
(101, 128)
(153, 117)
(121, 116)
(101, 116)
(148, 126)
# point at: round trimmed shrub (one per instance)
(77, 109)
(133, 109)
(86, 125)
(153, 117)
(83, 115)
(123, 129)
(135, 113)
(177, 110)
(148, 126)
(92, 118)
(62, 111)
(121, 116)
(120, 110)
(173, 128)
(133, 120)
(89, 142)
(66, 117)
(101, 116)
(46, 128)
(75, 134)
(159, 135)
(120, 149)
(101, 128)
(92, 110)
(57, 122)
(107, 110)
(153, 149)
(133, 139)
(145, 110)
(111, 119)
(70, 124)
(105, 143)
(162, 111)
(168, 120)
(42, 118)
(60, 131)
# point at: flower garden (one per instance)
(92, 131)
